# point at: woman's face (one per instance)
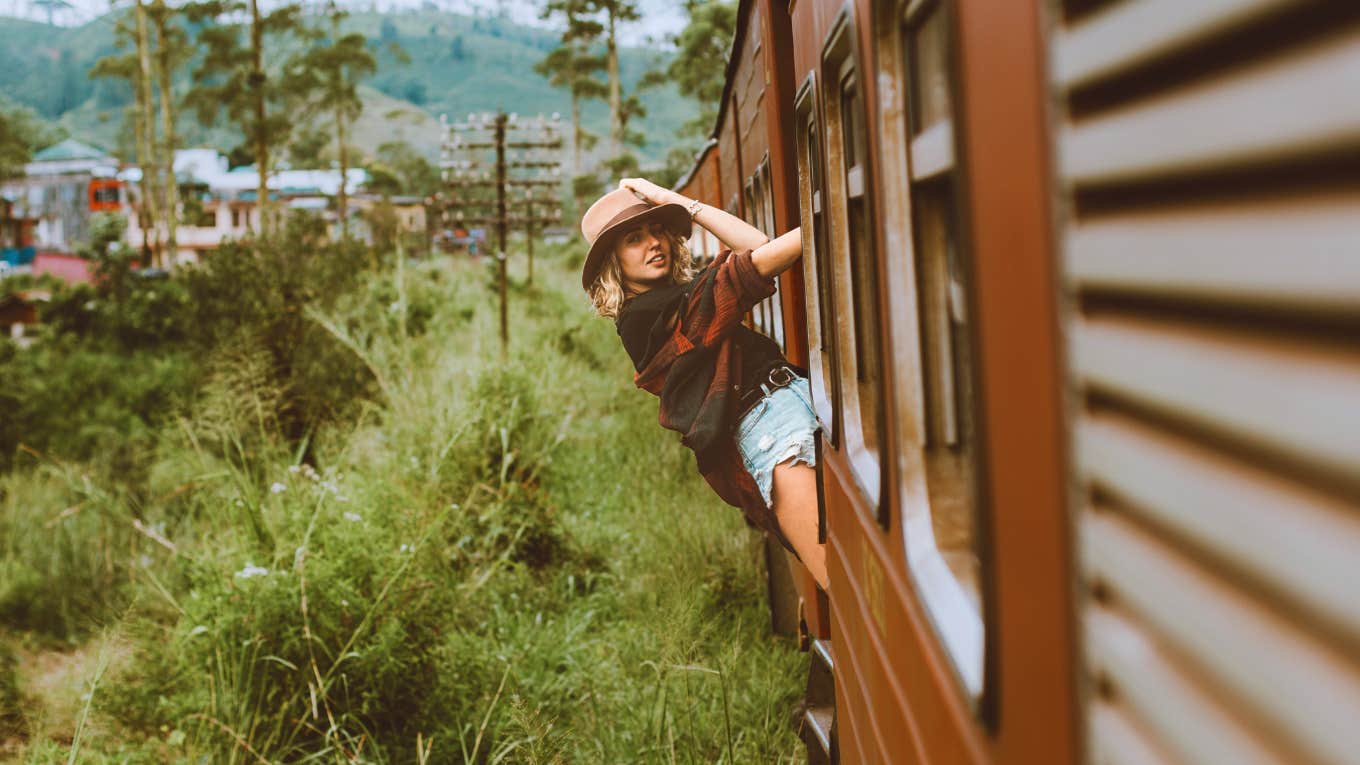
(644, 254)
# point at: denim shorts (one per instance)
(779, 428)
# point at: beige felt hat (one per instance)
(611, 213)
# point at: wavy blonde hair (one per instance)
(608, 293)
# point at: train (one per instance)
(1079, 299)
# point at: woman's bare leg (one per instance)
(795, 507)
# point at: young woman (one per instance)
(728, 390)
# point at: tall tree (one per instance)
(330, 72)
(572, 66)
(231, 78)
(616, 12)
(172, 51)
(147, 135)
(700, 64)
(134, 66)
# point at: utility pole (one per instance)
(529, 230)
(501, 226)
(463, 164)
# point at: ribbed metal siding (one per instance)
(1209, 160)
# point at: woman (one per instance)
(737, 402)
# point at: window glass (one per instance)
(929, 68)
(817, 268)
(947, 369)
(864, 291)
(942, 531)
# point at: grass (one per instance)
(492, 562)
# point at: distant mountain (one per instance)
(453, 64)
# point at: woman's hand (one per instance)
(651, 192)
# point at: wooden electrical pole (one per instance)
(501, 226)
(465, 148)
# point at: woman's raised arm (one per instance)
(732, 231)
(773, 258)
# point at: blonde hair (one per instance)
(608, 293)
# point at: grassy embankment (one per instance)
(486, 562)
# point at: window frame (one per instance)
(822, 344)
(927, 156)
(839, 62)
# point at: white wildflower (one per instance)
(405, 548)
(353, 517)
(251, 570)
(277, 488)
(294, 469)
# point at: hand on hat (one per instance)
(651, 192)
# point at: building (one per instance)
(16, 238)
(61, 187)
(218, 203)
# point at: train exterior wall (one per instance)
(898, 696)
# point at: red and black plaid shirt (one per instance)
(684, 342)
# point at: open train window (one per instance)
(938, 455)
(850, 205)
(817, 275)
(766, 195)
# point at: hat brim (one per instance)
(674, 217)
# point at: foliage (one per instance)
(21, 134)
(494, 70)
(399, 169)
(573, 67)
(522, 571)
(700, 65)
(257, 293)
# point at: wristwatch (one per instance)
(693, 208)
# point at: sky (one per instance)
(659, 17)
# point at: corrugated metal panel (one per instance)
(1211, 255)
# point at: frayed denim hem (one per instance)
(797, 448)
(780, 429)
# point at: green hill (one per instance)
(453, 64)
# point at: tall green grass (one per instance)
(490, 561)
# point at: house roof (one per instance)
(68, 150)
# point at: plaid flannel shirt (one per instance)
(694, 366)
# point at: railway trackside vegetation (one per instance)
(288, 506)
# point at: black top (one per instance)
(646, 321)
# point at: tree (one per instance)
(616, 12)
(307, 146)
(172, 51)
(330, 73)
(231, 78)
(572, 66)
(414, 174)
(700, 66)
(22, 133)
(135, 67)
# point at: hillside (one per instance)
(453, 64)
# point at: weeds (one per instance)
(486, 563)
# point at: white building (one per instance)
(217, 204)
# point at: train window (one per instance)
(938, 455)
(850, 228)
(863, 278)
(767, 198)
(817, 265)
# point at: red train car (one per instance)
(1089, 466)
